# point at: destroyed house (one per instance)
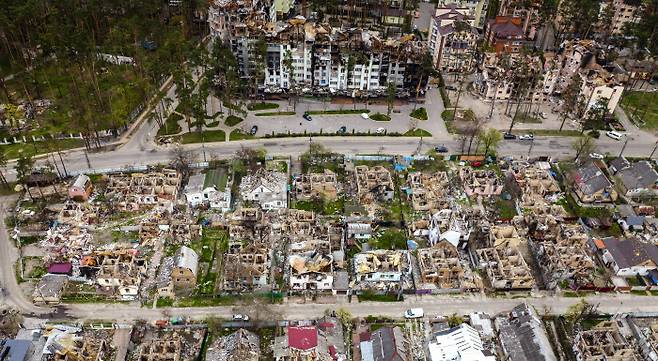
(442, 267)
(506, 268)
(480, 182)
(311, 266)
(316, 185)
(70, 343)
(428, 192)
(536, 182)
(566, 258)
(382, 270)
(604, 342)
(135, 190)
(117, 272)
(246, 267)
(241, 345)
(373, 183)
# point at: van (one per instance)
(414, 313)
(614, 135)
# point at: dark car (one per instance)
(450, 87)
(441, 149)
(254, 129)
(509, 136)
(342, 130)
(307, 117)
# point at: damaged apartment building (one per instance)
(314, 56)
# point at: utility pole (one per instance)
(532, 142)
(624, 147)
(654, 150)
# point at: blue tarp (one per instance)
(412, 245)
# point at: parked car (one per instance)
(240, 317)
(441, 149)
(254, 129)
(507, 135)
(526, 137)
(342, 130)
(380, 131)
(307, 117)
(414, 313)
(614, 135)
(450, 87)
(596, 156)
(543, 115)
(476, 164)
(365, 116)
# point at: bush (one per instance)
(238, 134)
(417, 133)
(171, 125)
(274, 114)
(420, 113)
(594, 134)
(232, 120)
(262, 106)
(379, 117)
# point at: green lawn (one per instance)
(549, 132)
(262, 106)
(206, 136)
(390, 239)
(420, 113)
(417, 133)
(338, 111)
(274, 114)
(233, 120)
(238, 134)
(379, 117)
(171, 125)
(217, 176)
(637, 103)
(13, 151)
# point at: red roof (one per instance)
(326, 325)
(302, 338)
(60, 268)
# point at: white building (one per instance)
(267, 188)
(196, 194)
(461, 343)
(595, 89)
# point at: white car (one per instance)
(614, 135)
(380, 131)
(414, 313)
(596, 156)
(365, 116)
(240, 317)
(526, 137)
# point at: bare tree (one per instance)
(181, 159)
(583, 145)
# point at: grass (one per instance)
(639, 293)
(233, 120)
(526, 118)
(420, 113)
(338, 111)
(373, 297)
(379, 117)
(506, 209)
(550, 132)
(238, 134)
(205, 301)
(217, 176)
(315, 205)
(164, 302)
(13, 151)
(390, 239)
(274, 114)
(171, 125)
(212, 124)
(417, 133)
(571, 206)
(205, 136)
(262, 106)
(637, 103)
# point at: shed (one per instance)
(62, 268)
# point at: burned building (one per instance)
(246, 266)
(316, 185)
(479, 182)
(135, 191)
(373, 183)
(605, 342)
(118, 273)
(428, 192)
(311, 266)
(506, 268)
(442, 266)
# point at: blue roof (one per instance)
(16, 350)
